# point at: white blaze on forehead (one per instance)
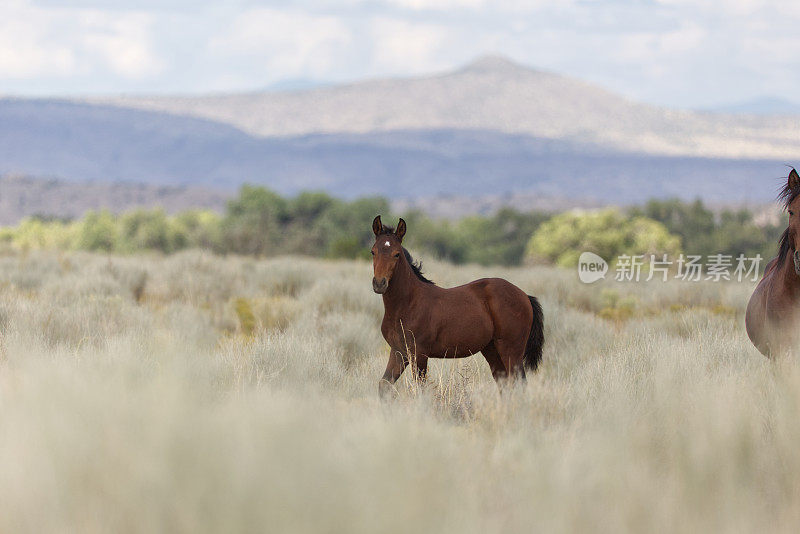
(387, 244)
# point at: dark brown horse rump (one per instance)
(772, 313)
(421, 320)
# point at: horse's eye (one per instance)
(791, 212)
(372, 252)
(396, 254)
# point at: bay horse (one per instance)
(422, 320)
(773, 312)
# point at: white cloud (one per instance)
(469, 5)
(721, 6)
(438, 4)
(294, 44)
(667, 51)
(400, 46)
(123, 42)
(55, 42)
(289, 43)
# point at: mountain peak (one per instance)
(493, 63)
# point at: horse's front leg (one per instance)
(394, 368)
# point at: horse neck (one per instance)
(404, 288)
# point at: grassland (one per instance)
(195, 393)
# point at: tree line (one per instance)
(260, 222)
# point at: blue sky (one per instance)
(670, 52)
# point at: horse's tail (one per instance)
(533, 349)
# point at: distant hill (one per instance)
(492, 94)
(25, 196)
(296, 84)
(22, 196)
(86, 142)
(80, 142)
(766, 105)
(492, 132)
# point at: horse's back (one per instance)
(470, 316)
(492, 285)
(504, 301)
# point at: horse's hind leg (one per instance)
(512, 354)
(495, 363)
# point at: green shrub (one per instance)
(98, 230)
(608, 233)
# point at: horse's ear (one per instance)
(794, 179)
(401, 229)
(377, 226)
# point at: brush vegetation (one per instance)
(198, 393)
(261, 223)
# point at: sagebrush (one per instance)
(197, 393)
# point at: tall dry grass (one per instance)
(196, 393)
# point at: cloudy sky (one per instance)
(671, 52)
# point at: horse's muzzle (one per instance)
(380, 286)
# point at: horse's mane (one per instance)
(784, 247)
(416, 266)
(786, 196)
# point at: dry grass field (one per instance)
(195, 393)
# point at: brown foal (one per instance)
(421, 320)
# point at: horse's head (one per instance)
(791, 201)
(386, 252)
